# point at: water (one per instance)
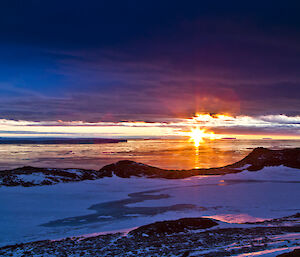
(68, 209)
(169, 154)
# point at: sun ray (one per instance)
(198, 136)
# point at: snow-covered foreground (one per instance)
(58, 211)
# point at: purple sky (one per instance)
(148, 60)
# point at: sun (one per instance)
(198, 135)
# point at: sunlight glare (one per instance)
(198, 135)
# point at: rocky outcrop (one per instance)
(256, 160)
(31, 176)
(295, 253)
(262, 157)
(126, 169)
(166, 239)
(173, 226)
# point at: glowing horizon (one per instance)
(219, 125)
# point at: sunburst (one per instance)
(198, 135)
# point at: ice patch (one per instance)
(235, 218)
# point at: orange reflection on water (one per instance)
(214, 153)
(236, 218)
(162, 153)
(201, 137)
(196, 158)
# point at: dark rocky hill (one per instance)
(31, 176)
(173, 226)
(295, 253)
(256, 160)
(201, 237)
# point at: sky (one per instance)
(149, 68)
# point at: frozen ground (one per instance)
(110, 204)
(183, 237)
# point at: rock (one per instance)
(295, 253)
(173, 226)
(261, 157)
(209, 243)
(126, 169)
(28, 176)
(256, 160)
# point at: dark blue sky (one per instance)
(148, 60)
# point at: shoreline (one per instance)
(256, 160)
(50, 141)
(143, 194)
(190, 238)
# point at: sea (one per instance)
(119, 204)
(164, 153)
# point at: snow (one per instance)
(74, 171)
(278, 173)
(35, 178)
(257, 195)
(268, 253)
(241, 197)
(246, 166)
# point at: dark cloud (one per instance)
(18, 132)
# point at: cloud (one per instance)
(18, 132)
(278, 125)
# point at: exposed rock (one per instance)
(295, 253)
(31, 176)
(173, 226)
(144, 241)
(261, 157)
(126, 169)
(256, 160)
